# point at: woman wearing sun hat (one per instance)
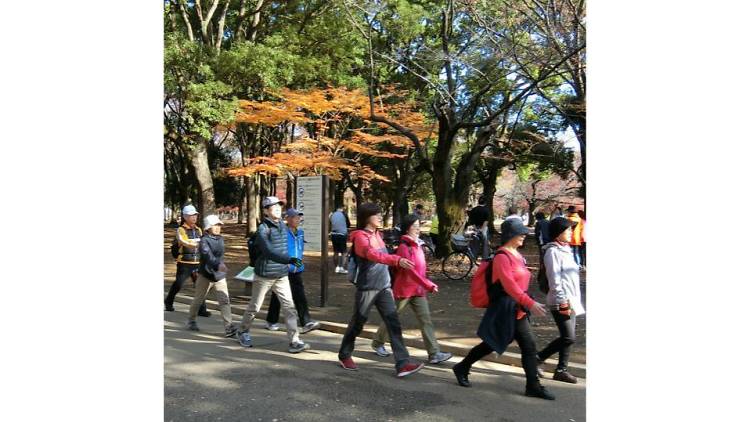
(564, 296)
(506, 318)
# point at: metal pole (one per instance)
(324, 243)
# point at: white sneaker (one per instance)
(272, 327)
(341, 271)
(337, 270)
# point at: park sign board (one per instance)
(310, 203)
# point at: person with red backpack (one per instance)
(374, 289)
(563, 296)
(506, 318)
(410, 288)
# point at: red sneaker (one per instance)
(409, 369)
(348, 364)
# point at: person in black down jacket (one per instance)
(212, 273)
(271, 273)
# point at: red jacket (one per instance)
(512, 273)
(412, 283)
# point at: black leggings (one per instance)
(525, 340)
(567, 327)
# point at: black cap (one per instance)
(559, 225)
(512, 228)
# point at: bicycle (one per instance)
(392, 238)
(459, 263)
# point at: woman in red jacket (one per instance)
(410, 288)
(506, 318)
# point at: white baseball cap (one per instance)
(271, 200)
(211, 220)
(189, 210)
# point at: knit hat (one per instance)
(559, 225)
(512, 228)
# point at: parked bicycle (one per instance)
(392, 238)
(459, 263)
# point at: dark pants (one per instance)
(386, 306)
(525, 340)
(567, 327)
(298, 296)
(576, 254)
(583, 254)
(183, 273)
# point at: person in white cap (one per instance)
(212, 274)
(188, 236)
(271, 273)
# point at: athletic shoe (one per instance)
(312, 325)
(381, 351)
(348, 364)
(409, 369)
(272, 327)
(298, 347)
(565, 376)
(230, 331)
(204, 313)
(337, 270)
(462, 375)
(343, 271)
(169, 308)
(192, 326)
(245, 339)
(440, 357)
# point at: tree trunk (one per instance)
(240, 207)
(198, 155)
(251, 196)
(290, 192)
(489, 186)
(338, 194)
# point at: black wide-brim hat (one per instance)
(512, 228)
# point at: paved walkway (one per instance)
(209, 377)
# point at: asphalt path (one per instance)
(211, 378)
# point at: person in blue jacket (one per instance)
(296, 242)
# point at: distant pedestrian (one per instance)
(339, 232)
(296, 242)
(506, 318)
(271, 273)
(419, 212)
(576, 240)
(564, 296)
(212, 274)
(557, 213)
(479, 217)
(374, 289)
(410, 288)
(513, 215)
(582, 214)
(541, 231)
(188, 237)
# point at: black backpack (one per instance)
(253, 249)
(541, 276)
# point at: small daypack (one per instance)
(352, 267)
(253, 249)
(480, 283)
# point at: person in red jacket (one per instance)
(374, 289)
(506, 318)
(410, 288)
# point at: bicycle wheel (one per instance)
(457, 265)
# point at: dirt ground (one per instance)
(454, 318)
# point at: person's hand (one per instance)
(434, 288)
(295, 261)
(405, 263)
(565, 309)
(223, 268)
(537, 309)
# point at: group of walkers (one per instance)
(279, 267)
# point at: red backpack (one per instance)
(480, 283)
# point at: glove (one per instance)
(295, 261)
(565, 309)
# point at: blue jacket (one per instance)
(273, 261)
(541, 231)
(212, 257)
(296, 246)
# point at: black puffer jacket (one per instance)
(274, 249)
(212, 257)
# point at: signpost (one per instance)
(312, 200)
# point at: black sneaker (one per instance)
(169, 308)
(540, 392)
(205, 313)
(462, 376)
(230, 331)
(565, 376)
(192, 326)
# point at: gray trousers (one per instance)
(386, 306)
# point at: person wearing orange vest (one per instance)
(577, 240)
